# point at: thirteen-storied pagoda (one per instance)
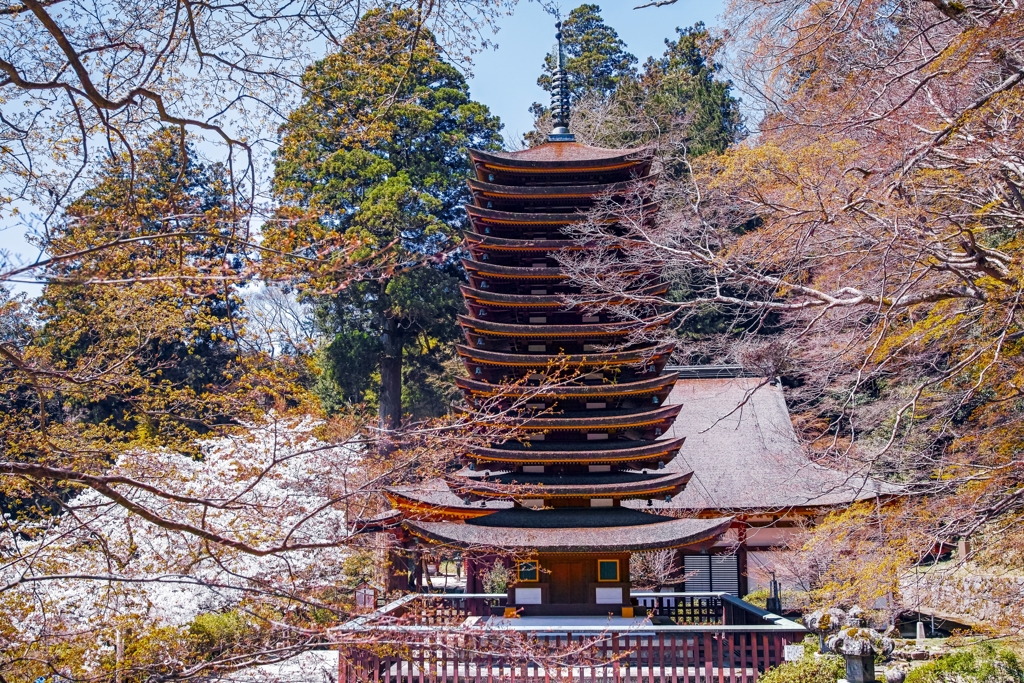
(595, 438)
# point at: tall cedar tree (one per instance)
(691, 113)
(596, 60)
(377, 151)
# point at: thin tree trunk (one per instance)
(390, 413)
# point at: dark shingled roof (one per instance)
(743, 451)
(436, 492)
(672, 533)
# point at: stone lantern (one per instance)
(859, 645)
(825, 622)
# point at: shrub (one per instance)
(213, 633)
(810, 669)
(497, 578)
(983, 664)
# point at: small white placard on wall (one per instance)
(528, 596)
(609, 596)
(793, 653)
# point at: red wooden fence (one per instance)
(689, 655)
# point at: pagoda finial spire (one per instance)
(560, 95)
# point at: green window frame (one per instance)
(608, 570)
(528, 571)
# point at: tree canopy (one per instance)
(679, 103)
(377, 152)
(596, 58)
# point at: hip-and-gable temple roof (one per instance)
(745, 455)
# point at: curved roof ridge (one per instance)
(566, 151)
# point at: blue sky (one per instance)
(505, 79)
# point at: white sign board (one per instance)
(528, 596)
(609, 596)
(793, 653)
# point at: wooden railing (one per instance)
(703, 656)
(438, 639)
(681, 608)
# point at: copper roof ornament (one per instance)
(560, 96)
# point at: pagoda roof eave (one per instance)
(581, 423)
(484, 269)
(675, 533)
(390, 519)
(522, 360)
(432, 503)
(495, 190)
(649, 452)
(648, 386)
(513, 272)
(548, 300)
(564, 157)
(541, 330)
(521, 217)
(670, 483)
(490, 243)
(500, 217)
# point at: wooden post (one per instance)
(708, 657)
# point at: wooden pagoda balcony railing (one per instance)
(444, 638)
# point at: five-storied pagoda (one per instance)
(552, 496)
